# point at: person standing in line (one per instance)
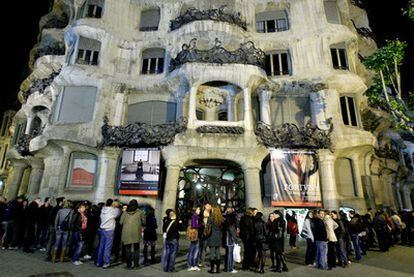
(192, 235)
(354, 229)
(62, 225)
(321, 239)
(331, 226)
(260, 242)
(230, 231)
(271, 238)
(170, 230)
(214, 241)
(247, 236)
(307, 234)
(150, 236)
(31, 218)
(203, 237)
(340, 233)
(108, 220)
(132, 221)
(52, 232)
(293, 230)
(164, 235)
(43, 226)
(280, 242)
(79, 226)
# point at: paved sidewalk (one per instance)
(399, 261)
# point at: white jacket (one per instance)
(108, 216)
(330, 226)
(307, 230)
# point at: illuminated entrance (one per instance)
(215, 184)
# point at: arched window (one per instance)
(153, 61)
(150, 19)
(152, 112)
(36, 126)
(345, 177)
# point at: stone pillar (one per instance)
(253, 189)
(28, 125)
(399, 198)
(264, 98)
(248, 116)
(179, 111)
(328, 183)
(406, 192)
(14, 179)
(171, 186)
(108, 166)
(192, 106)
(357, 174)
(230, 106)
(35, 179)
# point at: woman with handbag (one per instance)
(192, 235)
(214, 241)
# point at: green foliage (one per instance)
(393, 51)
(409, 11)
(410, 101)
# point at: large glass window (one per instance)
(349, 111)
(345, 177)
(92, 8)
(152, 112)
(88, 51)
(150, 20)
(278, 63)
(272, 21)
(286, 109)
(332, 12)
(153, 61)
(339, 57)
(75, 105)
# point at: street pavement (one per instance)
(399, 261)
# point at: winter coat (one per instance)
(215, 239)
(172, 233)
(330, 226)
(131, 226)
(340, 232)
(62, 215)
(260, 230)
(150, 230)
(319, 231)
(280, 225)
(246, 228)
(108, 218)
(293, 227)
(307, 230)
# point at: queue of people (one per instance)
(111, 234)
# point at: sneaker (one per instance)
(233, 271)
(13, 248)
(197, 268)
(42, 249)
(105, 266)
(77, 263)
(87, 257)
(191, 269)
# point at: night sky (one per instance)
(20, 31)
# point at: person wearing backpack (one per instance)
(192, 235)
(62, 225)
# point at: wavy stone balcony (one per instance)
(193, 14)
(247, 53)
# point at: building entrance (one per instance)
(214, 184)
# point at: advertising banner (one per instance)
(83, 172)
(140, 171)
(295, 179)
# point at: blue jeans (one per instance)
(61, 236)
(357, 248)
(171, 247)
(192, 259)
(322, 254)
(340, 250)
(78, 243)
(105, 247)
(229, 258)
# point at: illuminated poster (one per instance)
(295, 178)
(83, 171)
(140, 171)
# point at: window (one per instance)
(278, 64)
(150, 20)
(82, 170)
(152, 112)
(345, 178)
(20, 130)
(339, 57)
(222, 115)
(199, 114)
(36, 127)
(272, 21)
(153, 61)
(88, 51)
(92, 8)
(3, 161)
(4, 126)
(285, 109)
(141, 155)
(332, 12)
(349, 111)
(75, 105)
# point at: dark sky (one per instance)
(20, 32)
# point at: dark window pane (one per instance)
(276, 65)
(153, 63)
(271, 28)
(80, 54)
(88, 55)
(342, 56)
(260, 26)
(95, 58)
(268, 65)
(200, 115)
(145, 66)
(160, 68)
(222, 116)
(285, 64)
(335, 61)
(90, 10)
(344, 110)
(98, 12)
(352, 111)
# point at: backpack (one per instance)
(64, 226)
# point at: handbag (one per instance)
(236, 253)
(192, 234)
(207, 230)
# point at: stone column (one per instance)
(399, 198)
(264, 98)
(192, 106)
(108, 166)
(248, 116)
(328, 183)
(35, 179)
(210, 114)
(179, 99)
(230, 106)
(171, 186)
(14, 179)
(253, 189)
(357, 174)
(28, 125)
(406, 192)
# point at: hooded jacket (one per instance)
(108, 216)
(330, 226)
(132, 222)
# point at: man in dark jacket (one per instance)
(31, 215)
(321, 240)
(171, 235)
(247, 237)
(340, 233)
(354, 229)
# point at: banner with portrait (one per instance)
(140, 171)
(295, 178)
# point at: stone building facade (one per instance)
(223, 76)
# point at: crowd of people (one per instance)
(111, 233)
